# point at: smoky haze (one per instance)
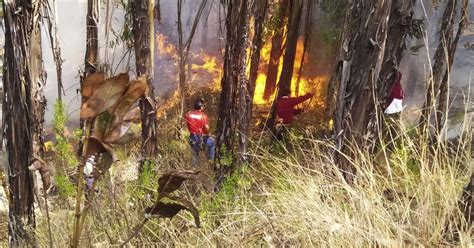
(209, 41)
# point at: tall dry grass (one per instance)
(294, 195)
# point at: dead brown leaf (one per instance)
(122, 132)
(171, 181)
(168, 207)
(41, 166)
(105, 96)
(133, 115)
(91, 83)
(134, 92)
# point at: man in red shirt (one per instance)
(198, 126)
(286, 106)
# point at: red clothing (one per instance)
(397, 91)
(286, 104)
(197, 122)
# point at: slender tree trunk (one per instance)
(183, 49)
(440, 64)
(52, 24)
(259, 9)
(92, 52)
(90, 67)
(245, 103)
(38, 82)
(289, 57)
(307, 32)
(143, 33)
(442, 106)
(19, 124)
(364, 42)
(277, 49)
(92, 39)
(334, 97)
(234, 89)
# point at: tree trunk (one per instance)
(364, 43)
(307, 31)
(440, 64)
(38, 82)
(277, 49)
(143, 33)
(259, 9)
(91, 56)
(92, 39)
(19, 123)
(51, 20)
(442, 106)
(234, 90)
(90, 67)
(399, 24)
(245, 103)
(289, 57)
(183, 49)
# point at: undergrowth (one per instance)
(406, 195)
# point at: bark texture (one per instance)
(363, 43)
(143, 33)
(234, 98)
(442, 106)
(19, 122)
(259, 10)
(284, 84)
(399, 25)
(276, 51)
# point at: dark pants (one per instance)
(197, 141)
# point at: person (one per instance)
(286, 111)
(392, 108)
(89, 169)
(394, 100)
(286, 106)
(198, 126)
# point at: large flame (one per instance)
(305, 84)
(208, 70)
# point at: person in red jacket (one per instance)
(286, 106)
(198, 126)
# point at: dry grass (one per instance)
(295, 196)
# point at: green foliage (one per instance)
(59, 117)
(235, 185)
(65, 186)
(277, 19)
(226, 158)
(124, 36)
(65, 152)
(62, 147)
(77, 133)
(335, 9)
(147, 179)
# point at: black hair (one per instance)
(198, 104)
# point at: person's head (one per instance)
(199, 105)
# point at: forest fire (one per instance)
(208, 69)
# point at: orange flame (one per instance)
(209, 69)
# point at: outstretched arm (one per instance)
(300, 99)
